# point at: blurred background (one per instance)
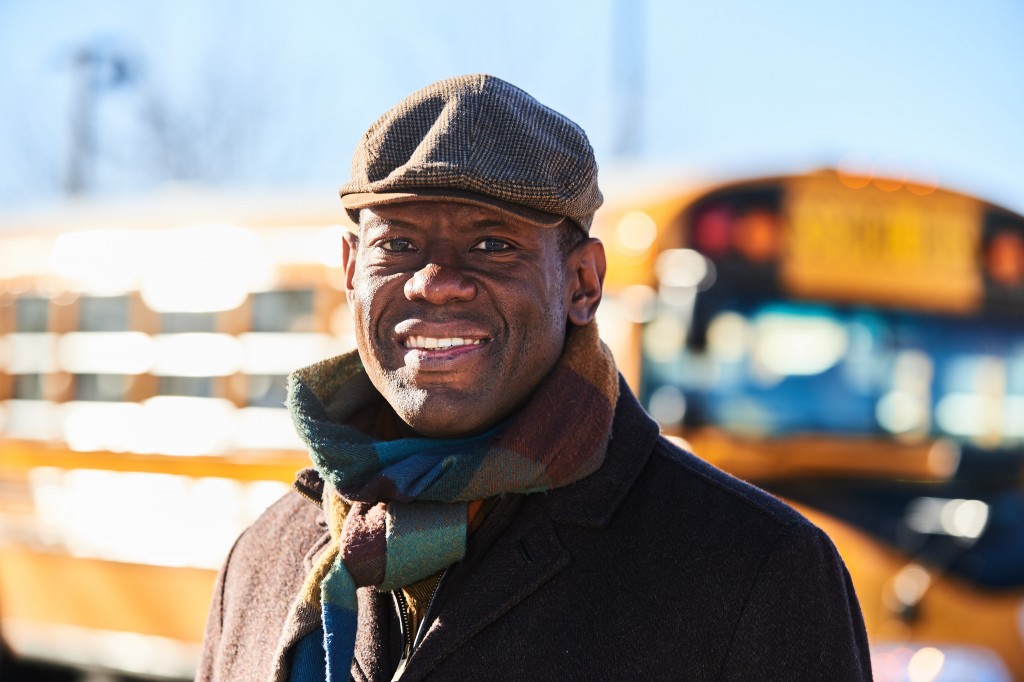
(114, 98)
(816, 282)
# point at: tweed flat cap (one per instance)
(479, 140)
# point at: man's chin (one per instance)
(436, 418)
(443, 409)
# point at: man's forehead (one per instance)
(425, 214)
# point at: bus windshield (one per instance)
(783, 367)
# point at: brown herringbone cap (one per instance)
(477, 139)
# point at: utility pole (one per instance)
(629, 45)
(95, 68)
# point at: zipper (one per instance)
(403, 609)
(428, 613)
(407, 636)
(412, 639)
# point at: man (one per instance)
(488, 500)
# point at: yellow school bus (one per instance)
(143, 352)
(856, 346)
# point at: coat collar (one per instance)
(593, 500)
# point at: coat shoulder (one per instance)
(292, 522)
(271, 557)
(672, 465)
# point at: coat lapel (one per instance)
(525, 557)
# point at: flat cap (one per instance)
(477, 139)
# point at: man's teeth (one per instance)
(430, 342)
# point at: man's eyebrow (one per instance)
(378, 221)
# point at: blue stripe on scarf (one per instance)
(309, 660)
(338, 599)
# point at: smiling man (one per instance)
(487, 499)
(454, 299)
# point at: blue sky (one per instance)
(276, 94)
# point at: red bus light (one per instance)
(1004, 258)
(757, 236)
(712, 230)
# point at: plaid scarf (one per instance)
(397, 509)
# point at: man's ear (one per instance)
(349, 247)
(585, 267)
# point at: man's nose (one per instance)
(438, 284)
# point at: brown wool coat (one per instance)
(658, 566)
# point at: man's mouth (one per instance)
(432, 343)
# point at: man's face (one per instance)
(459, 310)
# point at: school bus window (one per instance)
(27, 387)
(981, 398)
(103, 313)
(266, 390)
(283, 311)
(31, 315)
(196, 387)
(183, 323)
(1015, 371)
(101, 387)
(773, 367)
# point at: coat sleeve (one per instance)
(206, 671)
(801, 620)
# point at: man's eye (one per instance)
(492, 245)
(396, 245)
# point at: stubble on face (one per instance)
(427, 271)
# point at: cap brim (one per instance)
(354, 202)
